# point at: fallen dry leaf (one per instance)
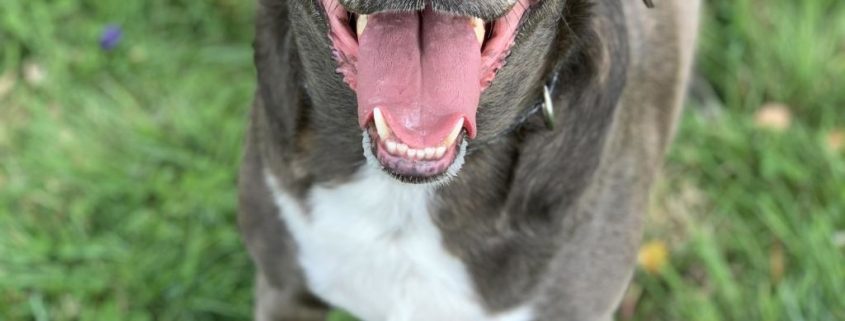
(652, 256)
(7, 82)
(774, 116)
(34, 74)
(836, 140)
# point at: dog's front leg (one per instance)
(285, 304)
(281, 294)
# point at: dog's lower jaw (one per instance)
(437, 180)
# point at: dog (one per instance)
(456, 160)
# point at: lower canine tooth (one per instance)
(439, 152)
(454, 134)
(361, 24)
(381, 125)
(391, 147)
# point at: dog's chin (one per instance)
(434, 168)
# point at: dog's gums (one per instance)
(418, 77)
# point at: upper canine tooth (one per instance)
(477, 25)
(361, 24)
(381, 125)
(454, 134)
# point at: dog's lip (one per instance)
(416, 169)
(488, 11)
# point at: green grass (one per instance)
(117, 170)
(739, 204)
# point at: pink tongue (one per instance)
(422, 71)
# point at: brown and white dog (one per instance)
(457, 159)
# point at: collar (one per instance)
(542, 106)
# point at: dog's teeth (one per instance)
(391, 147)
(381, 125)
(454, 134)
(477, 25)
(361, 24)
(401, 149)
(429, 152)
(439, 152)
(412, 153)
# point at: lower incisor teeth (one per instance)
(399, 149)
(429, 152)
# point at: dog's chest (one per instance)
(370, 247)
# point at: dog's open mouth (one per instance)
(418, 77)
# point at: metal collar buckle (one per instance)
(548, 109)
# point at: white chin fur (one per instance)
(440, 180)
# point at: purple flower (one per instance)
(110, 37)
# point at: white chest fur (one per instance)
(370, 247)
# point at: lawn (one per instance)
(117, 165)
